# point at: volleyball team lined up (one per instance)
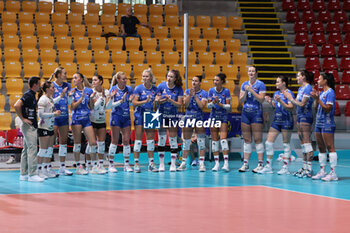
(89, 106)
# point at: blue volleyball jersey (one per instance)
(62, 105)
(193, 106)
(123, 109)
(251, 104)
(303, 92)
(174, 94)
(282, 115)
(324, 119)
(82, 111)
(142, 93)
(223, 95)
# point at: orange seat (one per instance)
(158, 70)
(46, 42)
(205, 58)
(240, 58)
(109, 8)
(42, 18)
(140, 9)
(45, 7)
(10, 41)
(80, 42)
(47, 68)
(194, 70)
(13, 6)
(149, 44)
(60, 30)
(77, 30)
(115, 43)
(199, 44)
(61, 7)
(26, 29)
(9, 28)
(233, 45)
(77, 7)
(171, 57)
(75, 19)
(87, 69)
(28, 6)
(12, 54)
(94, 30)
(25, 17)
(155, 20)
(176, 32)
(171, 20)
(8, 17)
(30, 55)
(166, 44)
(126, 68)
(58, 18)
(171, 9)
(235, 22)
(101, 56)
(43, 29)
(154, 57)
(144, 32)
(225, 33)
(106, 70)
(132, 43)
(211, 71)
(98, 43)
(83, 56)
(91, 19)
(93, 8)
(160, 31)
(31, 69)
(119, 56)
(63, 42)
(223, 58)
(13, 70)
(28, 42)
(194, 32)
(71, 69)
(155, 9)
(210, 33)
(203, 21)
(191, 20)
(231, 71)
(216, 45)
(138, 69)
(48, 55)
(65, 56)
(219, 21)
(110, 29)
(107, 19)
(137, 57)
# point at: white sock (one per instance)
(173, 158)
(216, 158)
(226, 159)
(269, 162)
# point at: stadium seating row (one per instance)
(317, 5)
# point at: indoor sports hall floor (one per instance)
(178, 202)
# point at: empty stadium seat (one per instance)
(77, 7)
(71, 68)
(93, 8)
(337, 109)
(301, 26)
(155, 20)
(332, 26)
(87, 69)
(61, 7)
(342, 92)
(155, 9)
(216, 45)
(10, 41)
(225, 33)
(109, 8)
(288, 5)
(41, 17)
(132, 43)
(318, 5)
(14, 86)
(60, 30)
(26, 29)
(308, 16)
(344, 50)
(11, 54)
(176, 32)
(9, 29)
(223, 58)
(335, 38)
(28, 6)
(301, 38)
(199, 44)
(80, 42)
(303, 5)
(94, 30)
(171, 20)
(31, 68)
(219, 21)
(203, 21)
(328, 50)
(58, 18)
(210, 33)
(48, 55)
(316, 26)
(205, 58)
(110, 29)
(339, 16)
(107, 19)
(83, 56)
(171, 57)
(101, 56)
(194, 32)
(312, 63)
(47, 68)
(65, 56)
(30, 55)
(45, 7)
(161, 31)
(324, 16)
(106, 70)
(25, 17)
(330, 63)
(153, 57)
(75, 19)
(115, 43)
(43, 29)
(137, 57)
(318, 38)
(140, 9)
(13, 6)
(46, 42)
(345, 63)
(166, 44)
(235, 22)
(119, 56)
(233, 45)
(149, 44)
(77, 30)
(91, 19)
(171, 9)
(98, 43)
(28, 42)
(311, 50)
(345, 79)
(239, 58)
(144, 32)
(333, 5)
(63, 42)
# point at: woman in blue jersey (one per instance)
(144, 102)
(195, 99)
(121, 97)
(219, 101)
(283, 123)
(81, 120)
(252, 95)
(325, 126)
(169, 99)
(61, 124)
(304, 103)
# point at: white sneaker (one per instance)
(152, 168)
(89, 169)
(93, 170)
(35, 179)
(216, 167)
(137, 169)
(182, 167)
(41, 173)
(202, 167)
(244, 168)
(52, 174)
(172, 168)
(101, 170)
(64, 172)
(266, 170)
(331, 176)
(11, 160)
(280, 157)
(258, 168)
(226, 167)
(321, 174)
(81, 171)
(284, 171)
(112, 169)
(127, 168)
(161, 167)
(23, 178)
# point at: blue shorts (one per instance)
(120, 121)
(252, 117)
(222, 117)
(327, 129)
(84, 122)
(61, 121)
(138, 118)
(281, 127)
(305, 119)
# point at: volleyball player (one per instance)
(252, 95)
(219, 101)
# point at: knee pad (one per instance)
(259, 148)
(308, 147)
(224, 144)
(112, 149)
(150, 145)
(49, 152)
(93, 149)
(173, 142)
(247, 148)
(101, 147)
(201, 141)
(76, 148)
(215, 146)
(333, 157)
(87, 149)
(137, 145)
(286, 149)
(322, 158)
(126, 151)
(269, 148)
(162, 137)
(186, 144)
(62, 150)
(42, 153)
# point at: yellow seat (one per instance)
(140, 9)
(235, 22)
(115, 43)
(10, 41)
(132, 43)
(139, 68)
(98, 43)
(166, 44)
(192, 57)
(26, 29)
(65, 56)
(91, 19)
(77, 7)
(171, 57)
(105, 70)
(45, 7)
(13, 69)
(160, 31)
(109, 8)
(233, 45)
(176, 32)
(126, 68)
(159, 70)
(58, 18)
(194, 32)
(77, 30)
(225, 33)
(171, 20)
(75, 18)
(155, 9)
(101, 56)
(80, 42)
(230, 71)
(210, 33)
(111, 29)
(119, 56)
(223, 58)
(43, 29)
(31, 69)
(240, 58)
(8, 17)
(190, 20)
(9, 28)
(199, 44)
(14, 86)
(107, 19)
(144, 32)
(205, 58)
(211, 70)
(171, 9)
(219, 21)
(216, 45)
(46, 42)
(28, 42)
(93, 8)
(48, 68)
(41, 17)
(12, 54)
(30, 55)
(137, 57)
(71, 69)
(13, 6)
(12, 100)
(6, 121)
(25, 17)
(2, 103)
(87, 69)
(63, 42)
(61, 7)
(83, 56)
(149, 44)
(29, 6)
(94, 30)
(155, 20)
(60, 30)
(48, 55)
